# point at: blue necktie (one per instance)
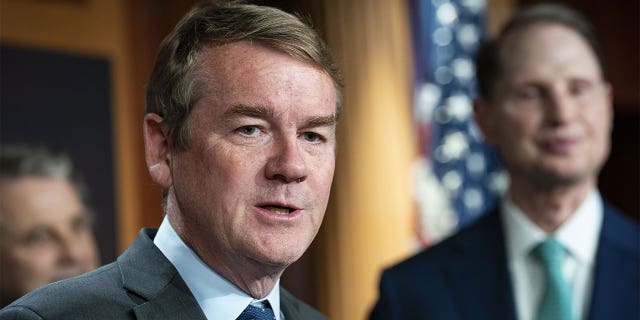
(257, 311)
(556, 298)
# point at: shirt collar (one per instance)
(218, 298)
(579, 234)
(521, 234)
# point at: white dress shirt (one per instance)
(579, 236)
(218, 298)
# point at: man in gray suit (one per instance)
(239, 130)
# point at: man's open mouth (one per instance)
(279, 210)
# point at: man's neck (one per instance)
(549, 206)
(255, 279)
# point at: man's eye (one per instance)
(81, 223)
(528, 93)
(311, 136)
(249, 130)
(38, 236)
(579, 88)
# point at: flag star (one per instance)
(468, 35)
(473, 200)
(459, 107)
(476, 163)
(442, 116)
(463, 69)
(499, 182)
(437, 3)
(452, 181)
(442, 36)
(443, 75)
(447, 13)
(475, 6)
(427, 98)
(454, 146)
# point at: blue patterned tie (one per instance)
(556, 298)
(257, 311)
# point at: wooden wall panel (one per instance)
(370, 222)
(148, 21)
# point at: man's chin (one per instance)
(278, 261)
(279, 251)
(561, 176)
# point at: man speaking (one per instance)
(239, 131)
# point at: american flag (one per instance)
(458, 177)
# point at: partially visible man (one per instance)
(45, 224)
(239, 131)
(554, 249)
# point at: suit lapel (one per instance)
(478, 273)
(289, 306)
(174, 302)
(153, 282)
(294, 309)
(617, 267)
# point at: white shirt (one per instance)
(579, 235)
(218, 298)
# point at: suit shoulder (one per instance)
(19, 312)
(621, 231)
(473, 239)
(94, 294)
(291, 304)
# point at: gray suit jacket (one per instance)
(141, 284)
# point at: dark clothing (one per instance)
(141, 284)
(466, 276)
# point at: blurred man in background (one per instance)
(554, 249)
(45, 225)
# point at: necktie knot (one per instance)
(257, 311)
(550, 252)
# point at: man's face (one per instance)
(253, 184)
(551, 113)
(45, 234)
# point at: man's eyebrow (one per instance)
(263, 113)
(248, 111)
(322, 121)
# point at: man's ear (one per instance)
(156, 147)
(484, 120)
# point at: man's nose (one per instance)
(287, 162)
(73, 248)
(561, 107)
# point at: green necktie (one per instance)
(556, 298)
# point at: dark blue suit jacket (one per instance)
(466, 276)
